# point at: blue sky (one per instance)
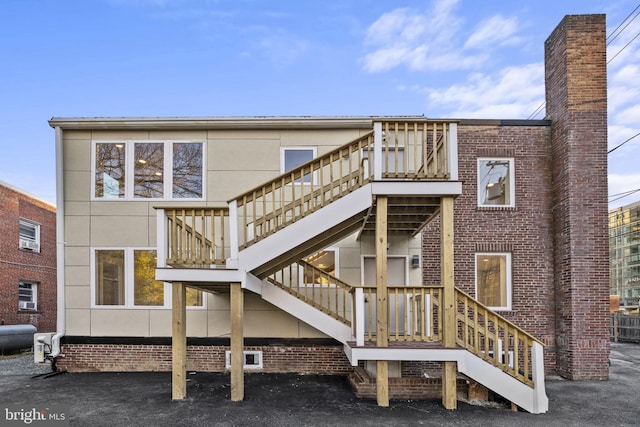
(440, 58)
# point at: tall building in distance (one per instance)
(624, 249)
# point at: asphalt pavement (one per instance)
(144, 399)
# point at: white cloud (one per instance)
(495, 30)
(433, 39)
(514, 92)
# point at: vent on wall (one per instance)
(252, 359)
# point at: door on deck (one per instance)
(396, 276)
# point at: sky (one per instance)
(178, 58)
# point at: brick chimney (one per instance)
(576, 103)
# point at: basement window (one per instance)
(252, 359)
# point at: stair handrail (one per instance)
(495, 339)
(287, 198)
(317, 288)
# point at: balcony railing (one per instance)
(195, 237)
(413, 313)
(415, 150)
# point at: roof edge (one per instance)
(258, 122)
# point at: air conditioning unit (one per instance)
(29, 244)
(27, 305)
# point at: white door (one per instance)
(396, 276)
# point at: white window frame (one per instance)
(509, 277)
(27, 242)
(482, 185)
(129, 145)
(129, 279)
(336, 255)
(23, 305)
(313, 149)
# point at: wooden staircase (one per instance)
(261, 239)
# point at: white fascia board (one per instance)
(200, 275)
(415, 354)
(421, 188)
(304, 229)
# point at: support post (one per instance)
(237, 343)
(179, 342)
(449, 369)
(382, 339)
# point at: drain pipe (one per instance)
(61, 314)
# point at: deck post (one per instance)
(237, 343)
(449, 369)
(179, 342)
(382, 340)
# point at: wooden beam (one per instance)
(382, 338)
(449, 369)
(237, 343)
(179, 341)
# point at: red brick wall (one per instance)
(20, 264)
(576, 101)
(313, 359)
(557, 231)
(524, 230)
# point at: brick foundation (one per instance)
(317, 360)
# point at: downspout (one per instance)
(61, 314)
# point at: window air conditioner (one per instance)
(27, 305)
(29, 244)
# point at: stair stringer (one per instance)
(299, 309)
(305, 229)
(531, 399)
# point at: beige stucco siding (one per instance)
(236, 161)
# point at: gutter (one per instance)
(61, 314)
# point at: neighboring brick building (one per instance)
(27, 260)
(293, 214)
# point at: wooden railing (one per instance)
(413, 313)
(494, 339)
(317, 288)
(415, 150)
(291, 196)
(196, 237)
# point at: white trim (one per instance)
(27, 242)
(452, 151)
(129, 146)
(227, 358)
(61, 322)
(129, 282)
(377, 151)
(313, 149)
(32, 304)
(510, 189)
(509, 278)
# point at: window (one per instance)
(323, 260)
(109, 170)
(146, 289)
(493, 280)
(148, 168)
(495, 182)
(134, 170)
(29, 235)
(126, 278)
(110, 277)
(28, 296)
(292, 157)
